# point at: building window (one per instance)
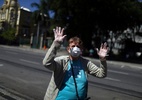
(12, 14)
(3, 16)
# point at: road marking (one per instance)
(11, 52)
(122, 66)
(29, 61)
(1, 65)
(112, 79)
(118, 72)
(1, 98)
(8, 94)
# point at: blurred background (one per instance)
(119, 23)
(26, 34)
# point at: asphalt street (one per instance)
(120, 76)
(63, 51)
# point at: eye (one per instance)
(78, 46)
(73, 46)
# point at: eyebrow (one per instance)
(75, 45)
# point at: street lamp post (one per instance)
(38, 28)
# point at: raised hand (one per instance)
(58, 34)
(103, 50)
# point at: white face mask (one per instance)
(75, 52)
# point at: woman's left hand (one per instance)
(103, 50)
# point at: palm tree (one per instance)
(40, 17)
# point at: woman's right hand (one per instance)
(58, 34)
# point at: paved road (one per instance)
(98, 89)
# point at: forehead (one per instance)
(74, 44)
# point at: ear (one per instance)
(81, 51)
(68, 49)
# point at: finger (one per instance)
(97, 50)
(59, 30)
(105, 45)
(101, 46)
(108, 49)
(62, 31)
(54, 31)
(64, 37)
(55, 35)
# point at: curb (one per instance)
(64, 52)
(122, 64)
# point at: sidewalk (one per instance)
(122, 64)
(62, 51)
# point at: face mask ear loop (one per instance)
(70, 50)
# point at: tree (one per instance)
(41, 16)
(84, 18)
(8, 36)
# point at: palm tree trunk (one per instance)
(38, 27)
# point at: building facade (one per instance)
(20, 18)
(12, 15)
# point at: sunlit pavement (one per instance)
(7, 94)
(63, 51)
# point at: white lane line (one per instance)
(11, 52)
(112, 79)
(122, 66)
(1, 64)
(118, 72)
(32, 62)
